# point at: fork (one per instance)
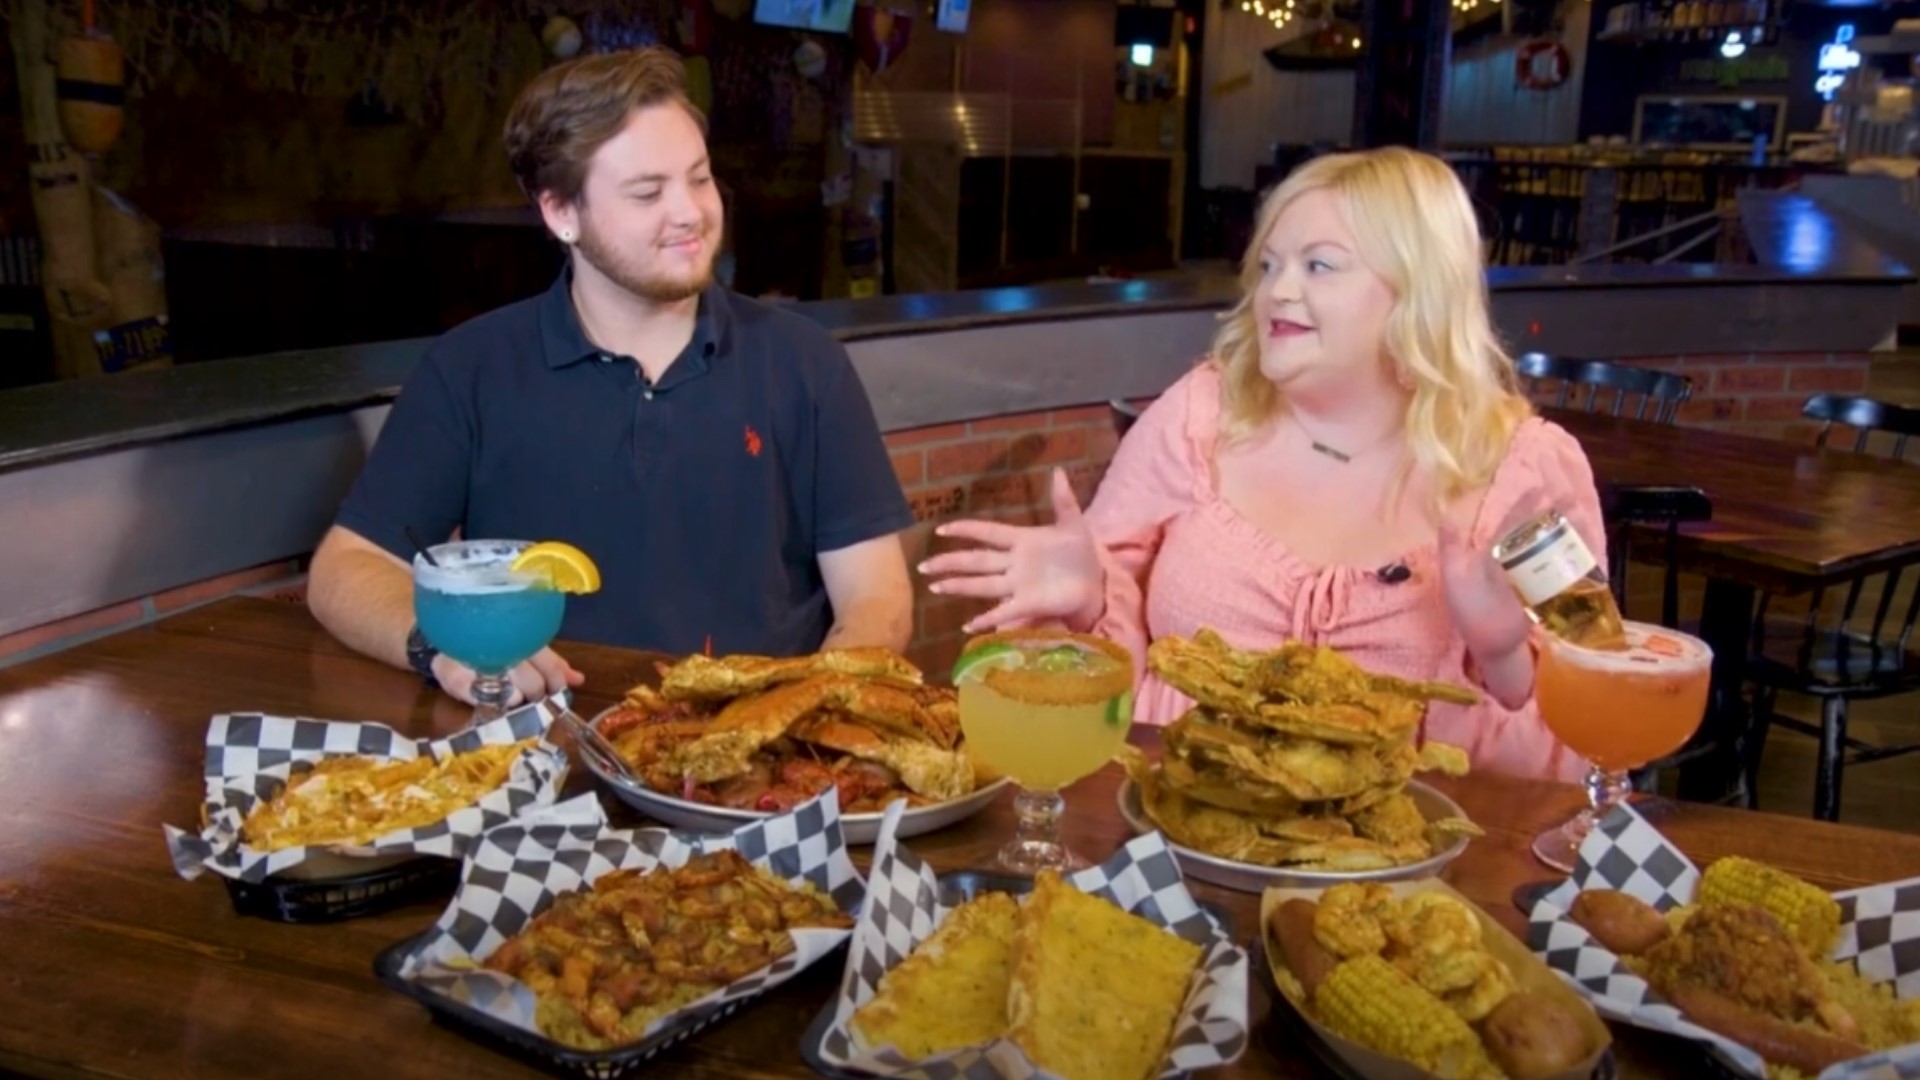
(599, 752)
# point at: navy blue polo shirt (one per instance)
(705, 499)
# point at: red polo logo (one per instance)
(753, 441)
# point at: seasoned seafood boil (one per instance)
(1749, 960)
(758, 733)
(605, 962)
(1413, 978)
(1294, 757)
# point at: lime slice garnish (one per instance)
(971, 666)
(1120, 709)
(1061, 658)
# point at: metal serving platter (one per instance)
(857, 828)
(1253, 878)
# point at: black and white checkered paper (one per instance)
(903, 909)
(250, 757)
(1879, 929)
(517, 870)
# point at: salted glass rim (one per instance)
(1611, 661)
(1034, 686)
(462, 559)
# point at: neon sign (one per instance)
(1836, 59)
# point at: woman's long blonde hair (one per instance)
(1416, 229)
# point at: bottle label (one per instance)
(1549, 571)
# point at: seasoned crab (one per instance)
(926, 770)
(703, 678)
(749, 723)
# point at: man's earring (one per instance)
(566, 236)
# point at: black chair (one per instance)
(1125, 414)
(1660, 392)
(1837, 661)
(1629, 508)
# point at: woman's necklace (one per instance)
(1345, 457)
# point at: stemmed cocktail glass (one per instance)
(477, 609)
(1046, 708)
(1620, 710)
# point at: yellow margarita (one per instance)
(1046, 708)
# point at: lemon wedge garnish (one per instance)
(566, 568)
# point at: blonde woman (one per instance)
(1335, 473)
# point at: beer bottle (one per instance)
(1561, 583)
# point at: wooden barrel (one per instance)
(91, 90)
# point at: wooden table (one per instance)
(113, 966)
(1786, 518)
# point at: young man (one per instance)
(718, 458)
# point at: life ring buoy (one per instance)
(1542, 65)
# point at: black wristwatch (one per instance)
(420, 655)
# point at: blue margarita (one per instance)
(477, 609)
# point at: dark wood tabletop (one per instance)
(1785, 516)
(114, 966)
(1787, 519)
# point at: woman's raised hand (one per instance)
(1038, 573)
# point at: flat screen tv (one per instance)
(1709, 121)
(831, 16)
(952, 16)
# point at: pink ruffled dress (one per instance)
(1180, 558)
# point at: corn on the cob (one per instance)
(1367, 1000)
(1809, 914)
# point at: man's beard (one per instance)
(659, 288)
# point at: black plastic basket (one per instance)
(956, 888)
(333, 899)
(535, 1049)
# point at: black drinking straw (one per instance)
(418, 546)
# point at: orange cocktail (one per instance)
(1619, 710)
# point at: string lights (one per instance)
(1279, 12)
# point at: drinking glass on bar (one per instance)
(1620, 709)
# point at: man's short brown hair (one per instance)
(570, 110)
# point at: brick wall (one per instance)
(1755, 393)
(995, 469)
